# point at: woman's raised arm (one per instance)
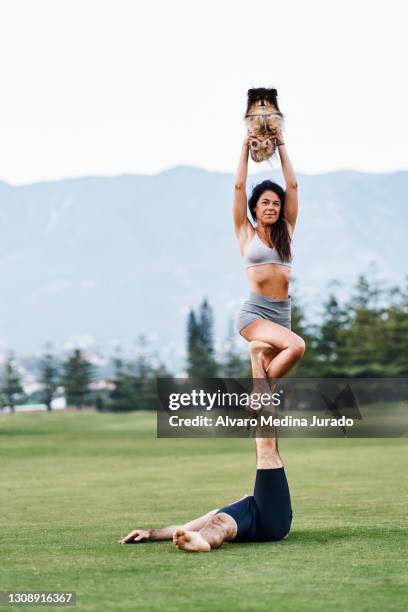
(239, 208)
(291, 198)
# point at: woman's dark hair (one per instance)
(279, 231)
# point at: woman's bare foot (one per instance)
(261, 356)
(190, 541)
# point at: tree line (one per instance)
(365, 335)
(74, 375)
(132, 385)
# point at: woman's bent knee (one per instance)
(298, 347)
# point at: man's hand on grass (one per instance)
(135, 536)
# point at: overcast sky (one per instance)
(108, 87)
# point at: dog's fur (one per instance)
(263, 118)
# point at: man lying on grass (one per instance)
(264, 516)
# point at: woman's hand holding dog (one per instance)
(260, 137)
(247, 139)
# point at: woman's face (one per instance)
(267, 208)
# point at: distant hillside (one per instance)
(118, 256)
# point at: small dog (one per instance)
(264, 119)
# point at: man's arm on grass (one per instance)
(154, 535)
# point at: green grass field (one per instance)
(72, 484)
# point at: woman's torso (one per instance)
(269, 279)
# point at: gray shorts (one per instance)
(259, 306)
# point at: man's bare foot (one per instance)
(190, 541)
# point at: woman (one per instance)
(265, 316)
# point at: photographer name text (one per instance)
(262, 420)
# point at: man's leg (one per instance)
(165, 533)
(218, 529)
(271, 495)
(267, 455)
(222, 527)
(271, 492)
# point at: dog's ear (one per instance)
(272, 97)
(256, 93)
(259, 93)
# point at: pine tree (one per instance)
(393, 343)
(122, 397)
(77, 375)
(331, 339)
(234, 364)
(365, 330)
(48, 376)
(200, 348)
(206, 335)
(11, 389)
(192, 342)
(206, 324)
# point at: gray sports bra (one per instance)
(257, 253)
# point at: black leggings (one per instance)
(267, 514)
